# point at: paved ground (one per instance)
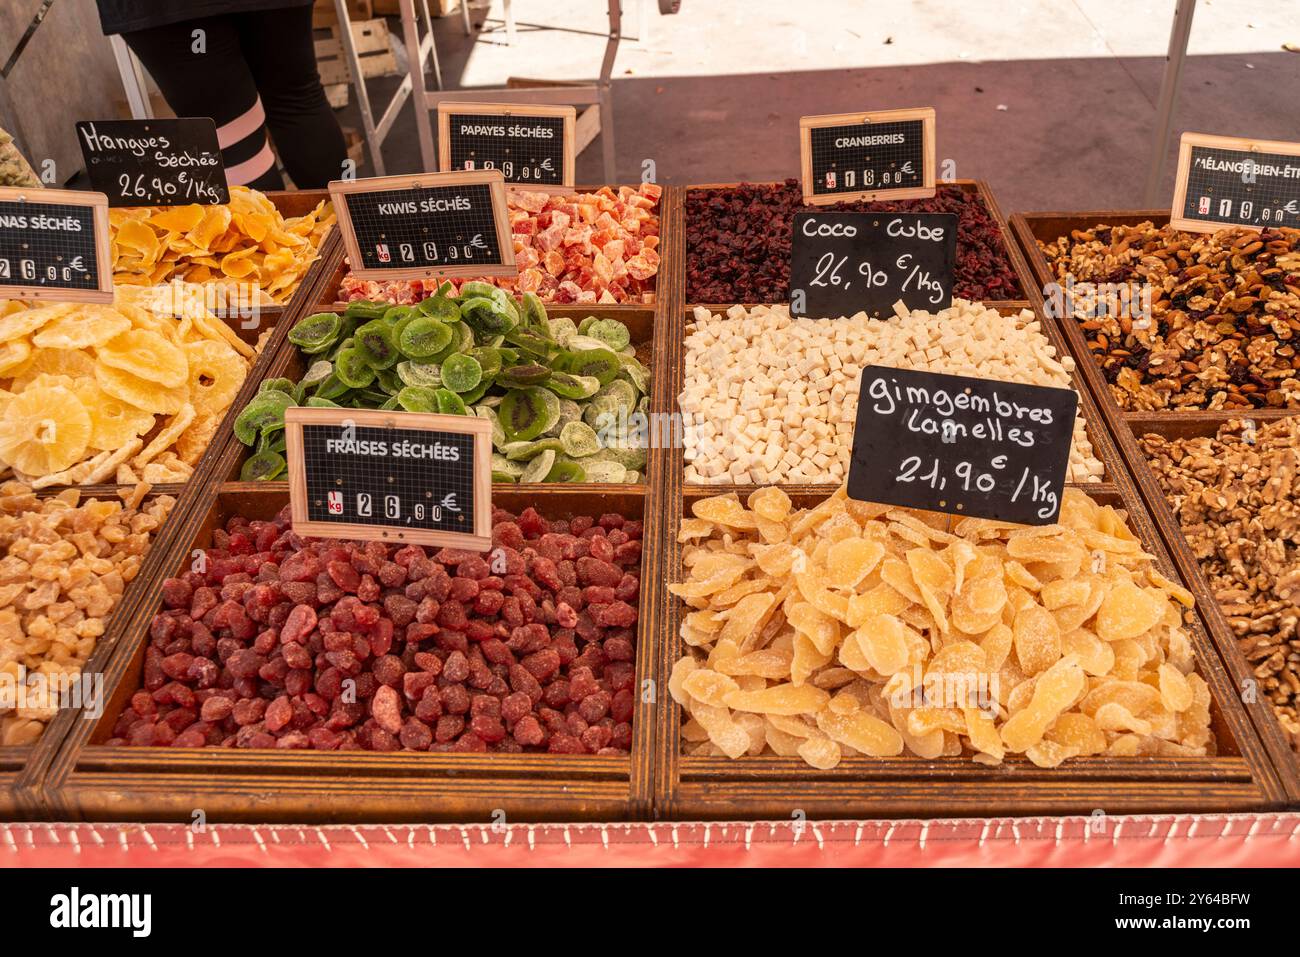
(1051, 101)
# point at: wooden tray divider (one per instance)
(1127, 428)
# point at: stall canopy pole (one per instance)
(1168, 98)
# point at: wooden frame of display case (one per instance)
(88, 780)
(1127, 427)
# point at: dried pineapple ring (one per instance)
(44, 430)
(90, 325)
(146, 355)
(14, 356)
(216, 373)
(70, 362)
(113, 423)
(17, 325)
(141, 393)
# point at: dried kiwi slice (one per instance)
(534, 313)
(491, 316)
(489, 413)
(579, 439)
(317, 332)
(533, 341)
(526, 451)
(449, 403)
(439, 307)
(551, 405)
(602, 471)
(566, 470)
(316, 402)
(263, 414)
(539, 468)
(425, 337)
(634, 372)
(488, 359)
(420, 373)
(279, 385)
(332, 388)
(418, 398)
(523, 414)
(472, 396)
(317, 373)
(461, 373)
(572, 386)
(263, 467)
(375, 343)
(363, 310)
(601, 363)
(562, 329)
(353, 370)
(502, 464)
(611, 332)
(519, 377)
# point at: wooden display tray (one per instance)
(968, 186)
(1240, 778)
(22, 768)
(1092, 417)
(90, 781)
(329, 300)
(1127, 426)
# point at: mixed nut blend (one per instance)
(1237, 497)
(1225, 312)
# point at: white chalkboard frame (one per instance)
(448, 108)
(808, 123)
(296, 417)
(340, 189)
(1236, 143)
(67, 197)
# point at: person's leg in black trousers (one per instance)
(213, 80)
(270, 53)
(281, 54)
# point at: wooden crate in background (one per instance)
(372, 42)
(324, 15)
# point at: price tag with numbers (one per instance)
(390, 476)
(426, 226)
(844, 263)
(1228, 181)
(962, 445)
(530, 145)
(54, 245)
(885, 154)
(159, 162)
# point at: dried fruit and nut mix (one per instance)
(92, 393)
(738, 241)
(1237, 497)
(245, 241)
(281, 642)
(66, 564)
(563, 397)
(767, 398)
(1225, 310)
(600, 247)
(859, 629)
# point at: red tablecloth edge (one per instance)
(1219, 840)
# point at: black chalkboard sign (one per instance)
(418, 227)
(165, 162)
(54, 245)
(843, 263)
(885, 154)
(390, 476)
(529, 145)
(1227, 181)
(965, 446)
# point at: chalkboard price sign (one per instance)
(887, 154)
(965, 446)
(390, 476)
(421, 227)
(54, 245)
(1228, 181)
(843, 263)
(530, 145)
(166, 162)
